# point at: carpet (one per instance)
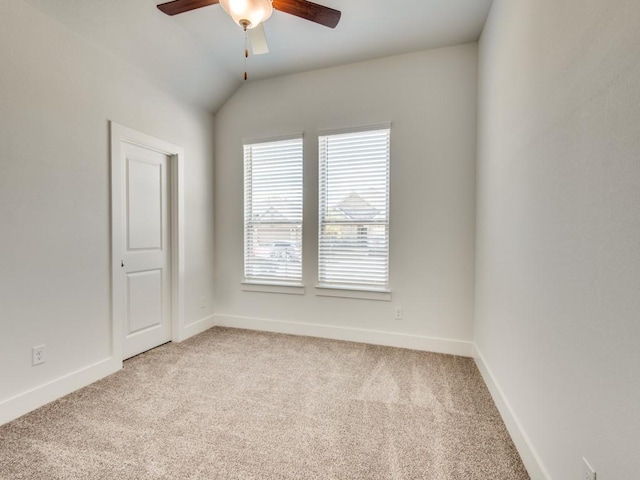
(238, 404)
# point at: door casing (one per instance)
(120, 135)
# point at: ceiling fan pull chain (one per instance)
(246, 51)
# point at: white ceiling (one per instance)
(198, 55)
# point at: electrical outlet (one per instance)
(39, 354)
(202, 302)
(398, 314)
(588, 472)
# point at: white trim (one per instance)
(272, 288)
(28, 401)
(198, 327)
(275, 138)
(361, 293)
(374, 337)
(528, 454)
(178, 326)
(361, 128)
(120, 134)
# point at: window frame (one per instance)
(255, 283)
(352, 290)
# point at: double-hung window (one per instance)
(273, 212)
(354, 210)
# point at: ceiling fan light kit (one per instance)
(248, 13)
(313, 12)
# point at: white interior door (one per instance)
(146, 262)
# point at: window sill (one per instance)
(272, 288)
(360, 293)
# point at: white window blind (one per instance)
(273, 212)
(354, 210)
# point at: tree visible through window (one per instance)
(273, 212)
(354, 210)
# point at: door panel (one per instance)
(144, 291)
(144, 214)
(147, 252)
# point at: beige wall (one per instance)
(430, 98)
(558, 252)
(57, 95)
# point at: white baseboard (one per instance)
(23, 403)
(197, 327)
(528, 454)
(374, 337)
(30, 400)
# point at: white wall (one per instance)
(430, 98)
(558, 237)
(57, 95)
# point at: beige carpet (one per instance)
(235, 404)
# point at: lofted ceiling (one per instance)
(198, 55)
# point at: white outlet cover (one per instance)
(39, 354)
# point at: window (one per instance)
(354, 210)
(273, 212)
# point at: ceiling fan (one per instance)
(250, 14)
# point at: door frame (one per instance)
(120, 135)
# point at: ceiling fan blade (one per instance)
(258, 40)
(181, 6)
(310, 11)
